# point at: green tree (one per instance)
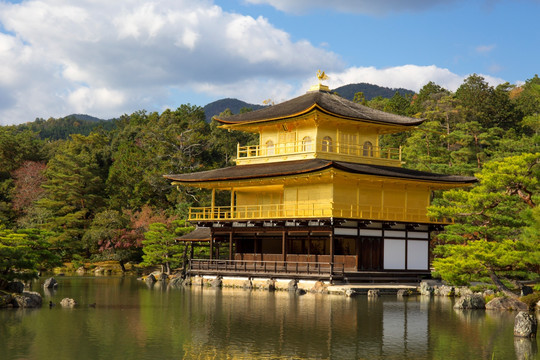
(148, 146)
(75, 189)
(23, 253)
(487, 238)
(360, 98)
(160, 247)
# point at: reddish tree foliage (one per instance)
(28, 180)
(140, 222)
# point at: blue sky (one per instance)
(106, 58)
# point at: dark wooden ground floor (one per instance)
(337, 249)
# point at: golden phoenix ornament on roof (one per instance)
(321, 75)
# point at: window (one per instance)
(368, 149)
(270, 147)
(327, 144)
(306, 144)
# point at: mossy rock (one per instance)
(5, 299)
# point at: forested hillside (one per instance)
(370, 91)
(62, 128)
(234, 105)
(94, 196)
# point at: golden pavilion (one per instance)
(318, 197)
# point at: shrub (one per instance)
(531, 300)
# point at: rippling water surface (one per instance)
(133, 321)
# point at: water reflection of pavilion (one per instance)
(278, 325)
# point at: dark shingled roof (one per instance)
(199, 234)
(324, 101)
(285, 168)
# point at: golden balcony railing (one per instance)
(311, 210)
(302, 147)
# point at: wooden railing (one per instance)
(311, 210)
(273, 268)
(300, 147)
(268, 211)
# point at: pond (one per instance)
(123, 318)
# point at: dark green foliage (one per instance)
(147, 146)
(62, 128)
(531, 300)
(75, 188)
(160, 247)
(24, 252)
(497, 223)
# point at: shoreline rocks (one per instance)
(503, 303)
(28, 299)
(470, 302)
(50, 283)
(525, 325)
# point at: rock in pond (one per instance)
(470, 302)
(150, 279)
(6, 300)
(445, 290)
(525, 325)
(300, 291)
(373, 293)
(247, 285)
(403, 292)
(504, 303)
(462, 291)
(216, 283)
(177, 281)
(350, 292)
(426, 288)
(50, 283)
(320, 287)
(28, 299)
(292, 286)
(160, 276)
(67, 302)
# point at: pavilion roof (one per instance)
(199, 234)
(325, 102)
(290, 168)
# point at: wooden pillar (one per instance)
(212, 247)
(230, 245)
(332, 247)
(232, 203)
(213, 206)
(284, 245)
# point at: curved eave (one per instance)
(316, 106)
(248, 172)
(302, 167)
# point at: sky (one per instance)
(108, 58)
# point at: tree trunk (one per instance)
(500, 286)
(122, 266)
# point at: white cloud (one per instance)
(106, 58)
(484, 49)
(412, 77)
(370, 7)
(84, 99)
